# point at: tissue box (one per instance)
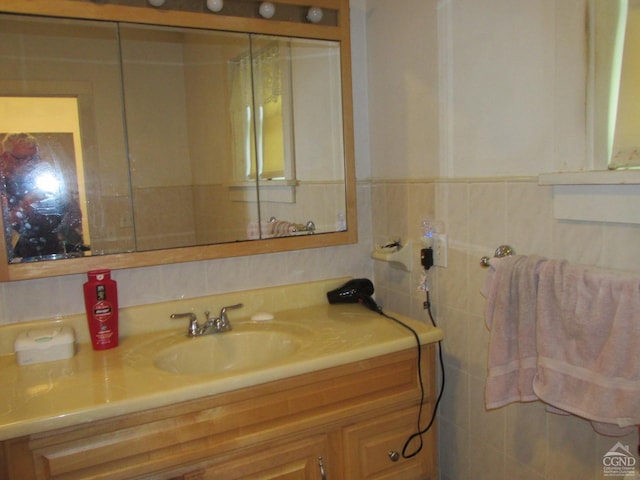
(45, 345)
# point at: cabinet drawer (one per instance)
(370, 445)
(299, 460)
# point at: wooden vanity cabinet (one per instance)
(350, 418)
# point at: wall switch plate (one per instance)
(440, 250)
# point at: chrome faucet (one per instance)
(212, 325)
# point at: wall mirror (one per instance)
(615, 75)
(135, 136)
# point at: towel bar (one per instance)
(298, 227)
(501, 251)
(307, 227)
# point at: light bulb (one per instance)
(267, 9)
(314, 15)
(156, 3)
(215, 5)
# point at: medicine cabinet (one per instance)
(172, 133)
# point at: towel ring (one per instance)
(501, 251)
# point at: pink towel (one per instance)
(568, 335)
(510, 313)
(588, 340)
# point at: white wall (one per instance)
(403, 146)
(486, 88)
(513, 90)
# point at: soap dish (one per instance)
(262, 317)
(399, 256)
(44, 345)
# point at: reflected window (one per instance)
(261, 112)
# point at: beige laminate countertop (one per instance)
(95, 385)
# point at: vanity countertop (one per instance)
(101, 384)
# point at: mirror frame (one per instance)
(93, 10)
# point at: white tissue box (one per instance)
(44, 345)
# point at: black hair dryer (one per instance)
(358, 290)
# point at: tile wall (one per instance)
(521, 441)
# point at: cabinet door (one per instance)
(300, 460)
(373, 449)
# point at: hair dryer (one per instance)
(358, 290)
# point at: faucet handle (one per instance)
(193, 322)
(223, 321)
(223, 310)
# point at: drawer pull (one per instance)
(393, 455)
(323, 474)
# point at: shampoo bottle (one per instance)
(101, 303)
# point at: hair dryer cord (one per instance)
(372, 305)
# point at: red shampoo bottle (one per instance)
(101, 303)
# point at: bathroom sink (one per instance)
(243, 348)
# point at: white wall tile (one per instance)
(529, 223)
(488, 226)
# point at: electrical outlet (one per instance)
(440, 250)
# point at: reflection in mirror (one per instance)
(226, 106)
(313, 188)
(173, 136)
(260, 82)
(42, 209)
(177, 108)
(48, 94)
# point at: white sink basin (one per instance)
(247, 346)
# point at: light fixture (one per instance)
(314, 15)
(267, 9)
(156, 3)
(215, 5)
